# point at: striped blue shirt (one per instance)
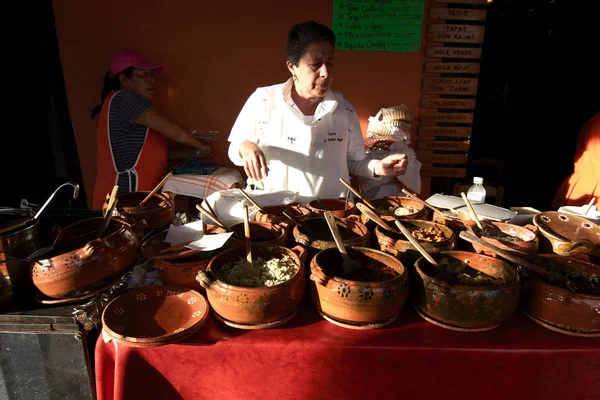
(126, 137)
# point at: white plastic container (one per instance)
(476, 193)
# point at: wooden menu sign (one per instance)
(434, 116)
(466, 14)
(444, 131)
(443, 145)
(455, 33)
(453, 52)
(443, 85)
(429, 157)
(452, 68)
(428, 170)
(430, 101)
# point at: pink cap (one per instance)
(124, 59)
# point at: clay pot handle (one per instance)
(532, 228)
(570, 246)
(436, 287)
(319, 276)
(96, 246)
(353, 217)
(301, 252)
(206, 278)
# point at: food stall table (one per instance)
(310, 358)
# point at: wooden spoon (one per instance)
(247, 235)
(254, 203)
(360, 196)
(153, 192)
(589, 206)
(212, 216)
(300, 223)
(112, 204)
(350, 267)
(471, 210)
(469, 237)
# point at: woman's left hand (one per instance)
(392, 165)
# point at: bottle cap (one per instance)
(478, 180)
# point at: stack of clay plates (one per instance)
(154, 316)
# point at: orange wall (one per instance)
(216, 54)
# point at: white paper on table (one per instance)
(193, 231)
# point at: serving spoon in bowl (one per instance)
(350, 267)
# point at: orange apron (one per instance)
(584, 183)
(149, 168)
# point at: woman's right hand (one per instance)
(253, 158)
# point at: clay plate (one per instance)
(155, 314)
(43, 299)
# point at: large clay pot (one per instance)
(254, 307)
(263, 233)
(466, 307)
(517, 240)
(353, 303)
(396, 244)
(179, 267)
(338, 207)
(385, 205)
(157, 212)
(80, 263)
(353, 233)
(16, 245)
(457, 220)
(568, 235)
(556, 307)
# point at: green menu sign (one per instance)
(378, 25)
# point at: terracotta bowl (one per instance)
(557, 308)
(80, 263)
(517, 240)
(254, 307)
(466, 307)
(274, 214)
(353, 234)
(396, 244)
(338, 207)
(263, 233)
(375, 300)
(179, 267)
(157, 212)
(155, 315)
(568, 235)
(385, 206)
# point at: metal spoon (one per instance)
(350, 267)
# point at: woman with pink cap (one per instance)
(132, 145)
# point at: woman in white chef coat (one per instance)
(301, 135)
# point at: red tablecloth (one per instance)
(310, 358)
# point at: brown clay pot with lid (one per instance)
(81, 263)
(370, 298)
(466, 306)
(517, 240)
(255, 307)
(568, 235)
(353, 233)
(386, 206)
(179, 267)
(396, 244)
(338, 207)
(157, 212)
(553, 305)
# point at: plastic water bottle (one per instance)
(476, 193)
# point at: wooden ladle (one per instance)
(469, 237)
(373, 216)
(251, 269)
(471, 211)
(418, 199)
(350, 267)
(153, 192)
(212, 216)
(251, 200)
(360, 196)
(112, 204)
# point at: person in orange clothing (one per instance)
(132, 134)
(584, 183)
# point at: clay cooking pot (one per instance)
(157, 212)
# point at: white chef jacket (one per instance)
(305, 154)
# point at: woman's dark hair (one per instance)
(110, 83)
(301, 35)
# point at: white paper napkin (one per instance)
(193, 231)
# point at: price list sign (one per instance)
(378, 25)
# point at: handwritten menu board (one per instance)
(378, 25)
